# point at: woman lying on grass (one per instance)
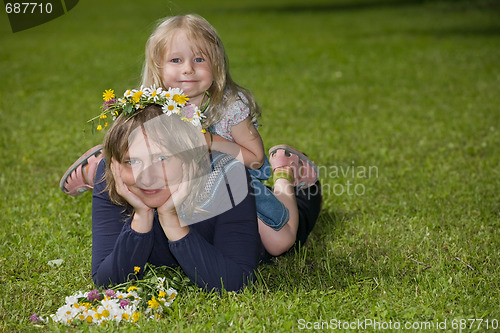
(162, 197)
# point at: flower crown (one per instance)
(172, 101)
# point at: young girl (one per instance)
(186, 52)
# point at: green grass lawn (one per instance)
(397, 102)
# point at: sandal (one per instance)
(305, 172)
(79, 177)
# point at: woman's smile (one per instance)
(150, 192)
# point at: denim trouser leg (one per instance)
(263, 173)
(269, 209)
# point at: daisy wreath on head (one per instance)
(172, 101)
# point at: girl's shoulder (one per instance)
(235, 107)
(234, 111)
(234, 97)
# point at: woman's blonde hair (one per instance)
(181, 138)
(224, 91)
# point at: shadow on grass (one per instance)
(323, 264)
(467, 32)
(331, 7)
(365, 5)
(337, 7)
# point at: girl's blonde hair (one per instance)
(181, 138)
(224, 91)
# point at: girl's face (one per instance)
(150, 171)
(184, 67)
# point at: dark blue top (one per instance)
(222, 251)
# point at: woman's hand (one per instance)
(143, 215)
(167, 212)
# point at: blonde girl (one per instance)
(186, 52)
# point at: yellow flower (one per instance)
(172, 296)
(108, 95)
(180, 99)
(99, 127)
(89, 319)
(137, 269)
(136, 316)
(137, 96)
(131, 288)
(103, 116)
(153, 303)
(161, 294)
(125, 316)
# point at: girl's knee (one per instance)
(280, 245)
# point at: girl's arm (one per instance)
(247, 148)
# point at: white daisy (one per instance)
(171, 92)
(170, 107)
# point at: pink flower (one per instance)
(34, 318)
(94, 295)
(110, 293)
(124, 303)
(188, 111)
(107, 104)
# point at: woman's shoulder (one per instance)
(226, 186)
(226, 173)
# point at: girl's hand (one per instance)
(143, 215)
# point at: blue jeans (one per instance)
(269, 209)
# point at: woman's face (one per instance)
(150, 171)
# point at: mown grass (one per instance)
(409, 88)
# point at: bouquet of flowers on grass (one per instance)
(150, 297)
